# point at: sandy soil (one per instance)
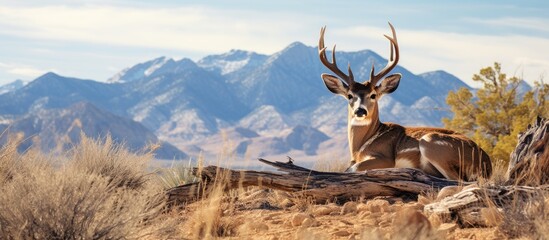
(267, 214)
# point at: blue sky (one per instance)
(95, 39)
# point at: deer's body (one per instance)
(373, 144)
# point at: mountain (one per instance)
(138, 71)
(54, 126)
(237, 103)
(234, 60)
(12, 86)
(53, 91)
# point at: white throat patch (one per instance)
(358, 122)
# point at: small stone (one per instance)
(378, 205)
(298, 219)
(448, 191)
(362, 207)
(349, 207)
(341, 233)
(322, 211)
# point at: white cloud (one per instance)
(183, 28)
(461, 54)
(21, 70)
(537, 24)
(210, 30)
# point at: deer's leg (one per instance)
(371, 163)
(454, 156)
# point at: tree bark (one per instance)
(529, 163)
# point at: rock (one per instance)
(362, 207)
(322, 211)
(349, 207)
(378, 205)
(298, 219)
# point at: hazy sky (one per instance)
(95, 39)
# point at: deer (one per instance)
(374, 144)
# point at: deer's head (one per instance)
(362, 96)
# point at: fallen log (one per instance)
(484, 206)
(319, 186)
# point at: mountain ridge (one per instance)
(190, 103)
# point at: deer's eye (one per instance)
(373, 96)
(350, 96)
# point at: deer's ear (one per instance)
(389, 84)
(334, 84)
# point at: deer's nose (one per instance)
(361, 112)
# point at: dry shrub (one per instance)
(8, 158)
(119, 166)
(101, 193)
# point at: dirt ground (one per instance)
(268, 214)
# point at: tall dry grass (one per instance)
(101, 192)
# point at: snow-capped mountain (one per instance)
(237, 102)
(234, 60)
(139, 71)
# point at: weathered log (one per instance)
(470, 206)
(529, 163)
(319, 186)
(527, 180)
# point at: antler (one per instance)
(333, 65)
(393, 60)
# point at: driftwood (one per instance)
(528, 182)
(483, 206)
(319, 186)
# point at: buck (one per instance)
(374, 144)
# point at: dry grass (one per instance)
(102, 192)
